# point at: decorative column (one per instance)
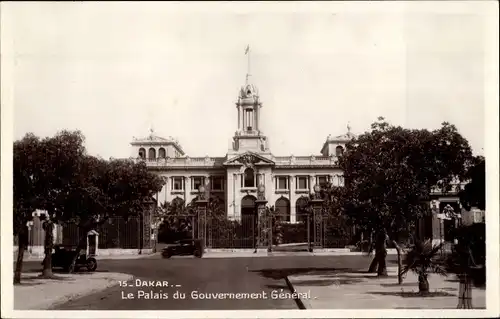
(201, 208)
(291, 187)
(244, 118)
(257, 110)
(312, 182)
(317, 220)
(254, 124)
(206, 183)
(263, 222)
(239, 118)
(187, 189)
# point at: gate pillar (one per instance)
(317, 221)
(264, 222)
(201, 208)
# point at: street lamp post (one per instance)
(201, 205)
(316, 203)
(262, 220)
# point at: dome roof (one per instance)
(249, 91)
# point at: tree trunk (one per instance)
(400, 266)
(465, 292)
(382, 266)
(380, 255)
(423, 284)
(49, 245)
(22, 244)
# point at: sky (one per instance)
(114, 70)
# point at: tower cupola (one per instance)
(249, 136)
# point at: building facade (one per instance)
(234, 177)
(288, 180)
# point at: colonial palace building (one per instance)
(234, 178)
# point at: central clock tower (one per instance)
(249, 136)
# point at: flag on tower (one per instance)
(247, 49)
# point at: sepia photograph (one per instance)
(249, 159)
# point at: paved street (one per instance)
(207, 275)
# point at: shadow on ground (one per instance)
(285, 272)
(332, 282)
(35, 280)
(404, 284)
(27, 284)
(61, 271)
(412, 294)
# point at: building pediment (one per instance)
(151, 139)
(341, 138)
(249, 159)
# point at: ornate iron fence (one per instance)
(336, 233)
(115, 233)
(289, 235)
(221, 232)
(238, 233)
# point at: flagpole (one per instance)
(248, 63)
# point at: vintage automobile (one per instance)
(64, 254)
(184, 247)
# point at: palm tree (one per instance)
(422, 259)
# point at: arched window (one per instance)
(249, 178)
(339, 150)
(248, 202)
(283, 207)
(152, 153)
(300, 209)
(161, 153)
(249, 119)
(142, 153)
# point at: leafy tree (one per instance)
(43, 170)
(56, 175)
(389, 172)
(104, 189)
(338, 226)
(474, 193)
(27, 187)
(177, 221)
(61, 161)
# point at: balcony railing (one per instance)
(306, 160)
(218, 161)
(184, 161)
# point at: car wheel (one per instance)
(166, 255)
(91, 264)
